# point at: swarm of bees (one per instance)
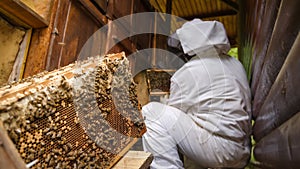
(74, 118)
(159, 80)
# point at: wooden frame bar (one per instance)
(17, 10)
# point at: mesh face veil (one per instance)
(175, 47)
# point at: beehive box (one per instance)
(85, 115)
(158, 80)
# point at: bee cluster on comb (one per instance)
(85, 115)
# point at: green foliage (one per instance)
(234, 52)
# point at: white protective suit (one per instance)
(207, 117)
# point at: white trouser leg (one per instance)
(157, 139)
(169, 128)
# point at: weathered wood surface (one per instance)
(57, 35)
(70, 27)
(9, 156)
(142, 88)
(39, 46)
(10, 39)
(80, 26)
(20, 61)
(283, 99)
(269, 15)
(284, 34)
(20, 11)
(281, 147)
(134, 160)
(41, 7)
(271, 38)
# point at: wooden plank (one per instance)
(39, 46)
(10, 39)
(75, 37)
(58, 34)
(142, 41)
(159, 93)
(20, 62)
(119, 8)
(10, 149)
(117, 31)
(220, 13)
(41, 7)
(102, 4)
(147, 6)
(5, 161)
(94, 11)
(142, 88)
(232, 4)
(135, 160)
(24, 13)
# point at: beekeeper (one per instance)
(207, 117)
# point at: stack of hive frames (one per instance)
(74, 117)
(158, 80)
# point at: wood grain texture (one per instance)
(10, 39)
(71, 26)
(142, 88)
(38, 51)
(281, 147)
(283, 99)
(19, 65)
(269, 15)
(10, 157)
(134, 160)
(285, 32)
(98, 16)
(20, 10)
(80, 26)
(41, 7)
(58, 35)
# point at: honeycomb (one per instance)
(159, 80)
(85, 115)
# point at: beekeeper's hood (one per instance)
(197, 35)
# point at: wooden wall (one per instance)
(59, 44)
(270, 52)
(10, 39)
(60, 28)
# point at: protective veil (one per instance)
(207, 117)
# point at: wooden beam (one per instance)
(213, 14)
(94, 11)
(129, 45)
(232, 4)
(169, 7)
(102, 4)
(160, 6)
(17, 10)
(148, 5)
